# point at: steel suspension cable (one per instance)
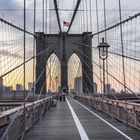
(28, 60)
(121, 35)
(110, 74)
(97, 23)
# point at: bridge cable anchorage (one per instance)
(117, 24)
(28, 60)
(74, 14)
(122, 133)
(114, 95)
(21, 107)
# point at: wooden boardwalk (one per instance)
(61, 123)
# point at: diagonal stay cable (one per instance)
(110, 75)
(21, 107)
(115, 98)
(117, 24)
(27, 60)
(132, 58)
(85, 87)
(15, 26)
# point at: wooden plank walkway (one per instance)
(59, 124)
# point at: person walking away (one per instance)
(64, 96)
(60, 97)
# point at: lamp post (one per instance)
(103, 54)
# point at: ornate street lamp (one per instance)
(103, 54)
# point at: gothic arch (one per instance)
(63, 46)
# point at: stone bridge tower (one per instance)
(63, 46)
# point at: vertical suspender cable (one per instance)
(98, 40)
(46, 24)
(90, 3)
(34, 50)
(121, 34)
(24, 45)
(97, 19)
(123, 64)
(49, 17)
(86, 14)
(43, 15)
(105, 40)
(105, 20)
(84, 17)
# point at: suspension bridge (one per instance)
(69, 70)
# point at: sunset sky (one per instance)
(11, 43)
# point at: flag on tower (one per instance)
(66, 23)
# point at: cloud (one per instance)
(9, 54)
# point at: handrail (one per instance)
(7, 116)
(126, 112)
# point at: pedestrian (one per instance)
(60, 97)
(64, 96)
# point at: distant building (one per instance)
(107, 88)
(30, 86)
(1, 84)
(19, 87)
(78, 85)
(112, 91)
(95, 88)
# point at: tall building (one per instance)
(107, 88)
(1, 84)
(95, 88)
(19, 87)
(30, 86)
(78, 85)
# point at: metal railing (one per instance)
(126, 112)
(33, 113)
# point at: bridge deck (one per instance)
(71, 121)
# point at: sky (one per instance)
(12, 10)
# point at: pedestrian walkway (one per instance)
(70, 120)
